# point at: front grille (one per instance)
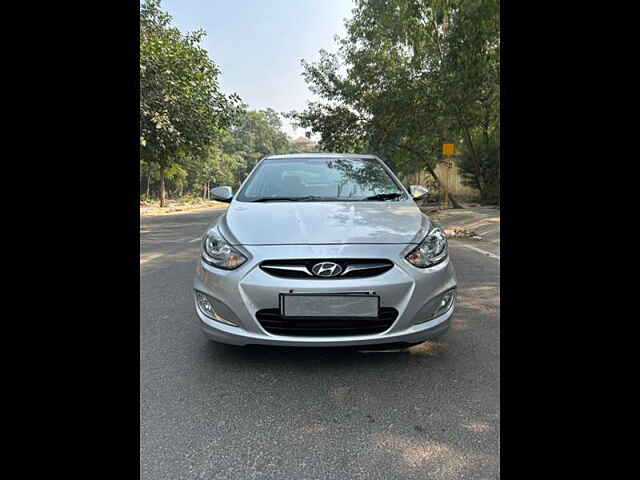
(274, 323)
(351, 268)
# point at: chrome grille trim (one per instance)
(302, 268)
(368, 266)
(291, 268)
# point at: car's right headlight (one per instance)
(431, 251)
(217, 252)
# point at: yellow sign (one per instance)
(447, 149)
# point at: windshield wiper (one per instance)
(286, 199)
(315, 198)
(383, 196)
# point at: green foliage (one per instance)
(488, 151)
(256, 135)
(226, 161)
(409, 76)
(182, 110)
(340, 128)
(307, 146)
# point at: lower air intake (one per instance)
(274, 323)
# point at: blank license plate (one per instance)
(365, 306)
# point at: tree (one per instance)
(409, 76)
(177, 176)
(256, 135)
(488, 155)
(215, 167)
(149, 171)
(182, 110)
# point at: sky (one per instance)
(258, 45)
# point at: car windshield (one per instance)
(320, 179)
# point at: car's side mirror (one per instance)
(418, 192)
(222, 194)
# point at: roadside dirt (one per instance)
(467, 223)
(152, 209)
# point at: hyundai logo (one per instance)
(326, 269)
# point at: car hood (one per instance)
(321, 223)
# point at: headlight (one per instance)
(217, 252)
(431, 251)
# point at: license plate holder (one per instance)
(322, 305)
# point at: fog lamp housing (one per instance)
(205, 305)
(439, 306)
(445, 302)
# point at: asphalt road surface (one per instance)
(215, 412)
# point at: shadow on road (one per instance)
(428, 411)
(305, 357)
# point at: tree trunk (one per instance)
(162, 192)
(472, 149)
(148, 182)
(476, 161)
(454, 202)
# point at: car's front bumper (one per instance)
(238, 294)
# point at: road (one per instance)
(217, 412)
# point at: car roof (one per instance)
(319, 155)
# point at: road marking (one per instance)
(153, 256)
(195, 240)
(488, 254)
(488, 231)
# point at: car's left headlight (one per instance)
(217, 252)
(431, 251)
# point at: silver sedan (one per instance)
(323, 250)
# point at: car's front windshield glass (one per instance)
(320, 179)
